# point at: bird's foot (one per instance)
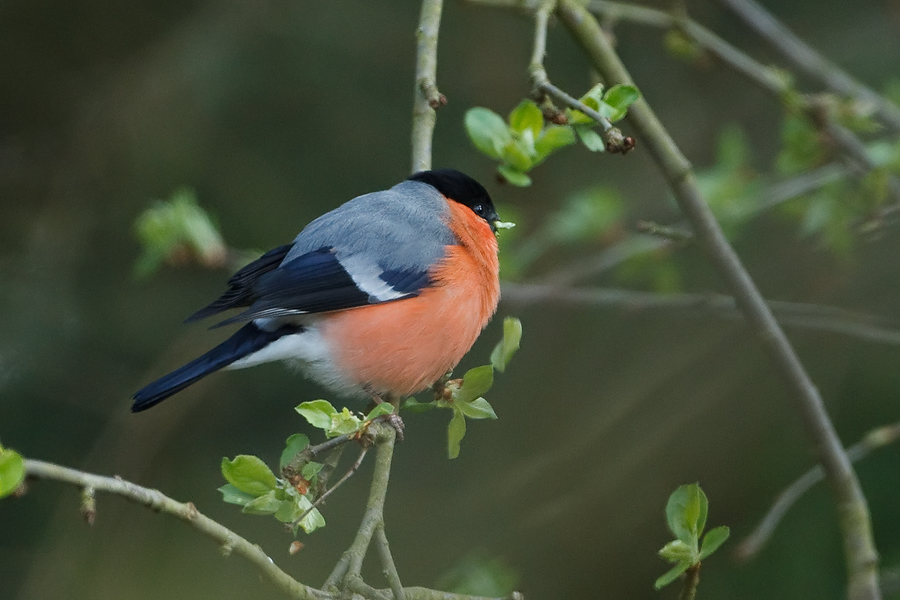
(396, 423)
(392, 419)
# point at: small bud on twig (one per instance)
(88, 505)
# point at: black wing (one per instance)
(240, 286)
(310, 283)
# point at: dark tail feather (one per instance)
(246, 340)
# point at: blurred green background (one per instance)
(275, 111)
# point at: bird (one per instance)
(378, 298)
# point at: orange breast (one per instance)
(405, 346)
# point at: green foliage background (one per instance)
(275, 111)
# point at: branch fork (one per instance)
(543, 92)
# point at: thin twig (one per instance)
(857, 156)
(616, 142)
(807, 59)
(855, 521)
(159, 502)
(329, 465)
(667, 232)
(539, 48)
(691, 581)
(426, 97)
(340, 482)
(753, 543)
(813, 317)
(765, 76)
(637, 245)
(308, 454)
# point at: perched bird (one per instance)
(381, 296)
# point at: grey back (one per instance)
(400, 228)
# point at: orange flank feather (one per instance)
(405, 346)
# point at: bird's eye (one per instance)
(479, 209)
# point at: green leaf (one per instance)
(586, 216)
(507, 347)
(294, 445)
(818, 214)
(318, 413)
(553, 138)
(516, 154)
(514, 176)
(801, 146)
(12, 472)
(592, 100)
(682, 46)
(487, 130)
(620, 97)
(671, 575)
(590, 138)
(476, 382)
(313, 520)
(177, 229)
(342, 423)
(527, 115)
(310, 470)
(289, 510)
(479, 408)
(263, 505)
(232, 495)
(456, 431)
(713, 539)
(677, 551)
(733, 149)
(385, 408)
(686, 512)
(249, 474)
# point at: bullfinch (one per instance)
(381, 296)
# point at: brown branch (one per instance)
(328, 492)
(632, 246)
(767, 77)
(753, 543)
(813, 317)
(808, 60)
(850, 146)
(855, 521)
(691, 581)
(387, 563)
(159, 502)
(616, 142)
(426, 97)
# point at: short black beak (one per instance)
(492, 219)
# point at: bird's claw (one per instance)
(395, 423)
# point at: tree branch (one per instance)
(766, 77)
(387, 563)
(753, 543)
(616, 142)
(857, 157)
(808, 60)
(159, 502)
(426, 97)
(374, 515)
(855, 521)
(814, 317)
